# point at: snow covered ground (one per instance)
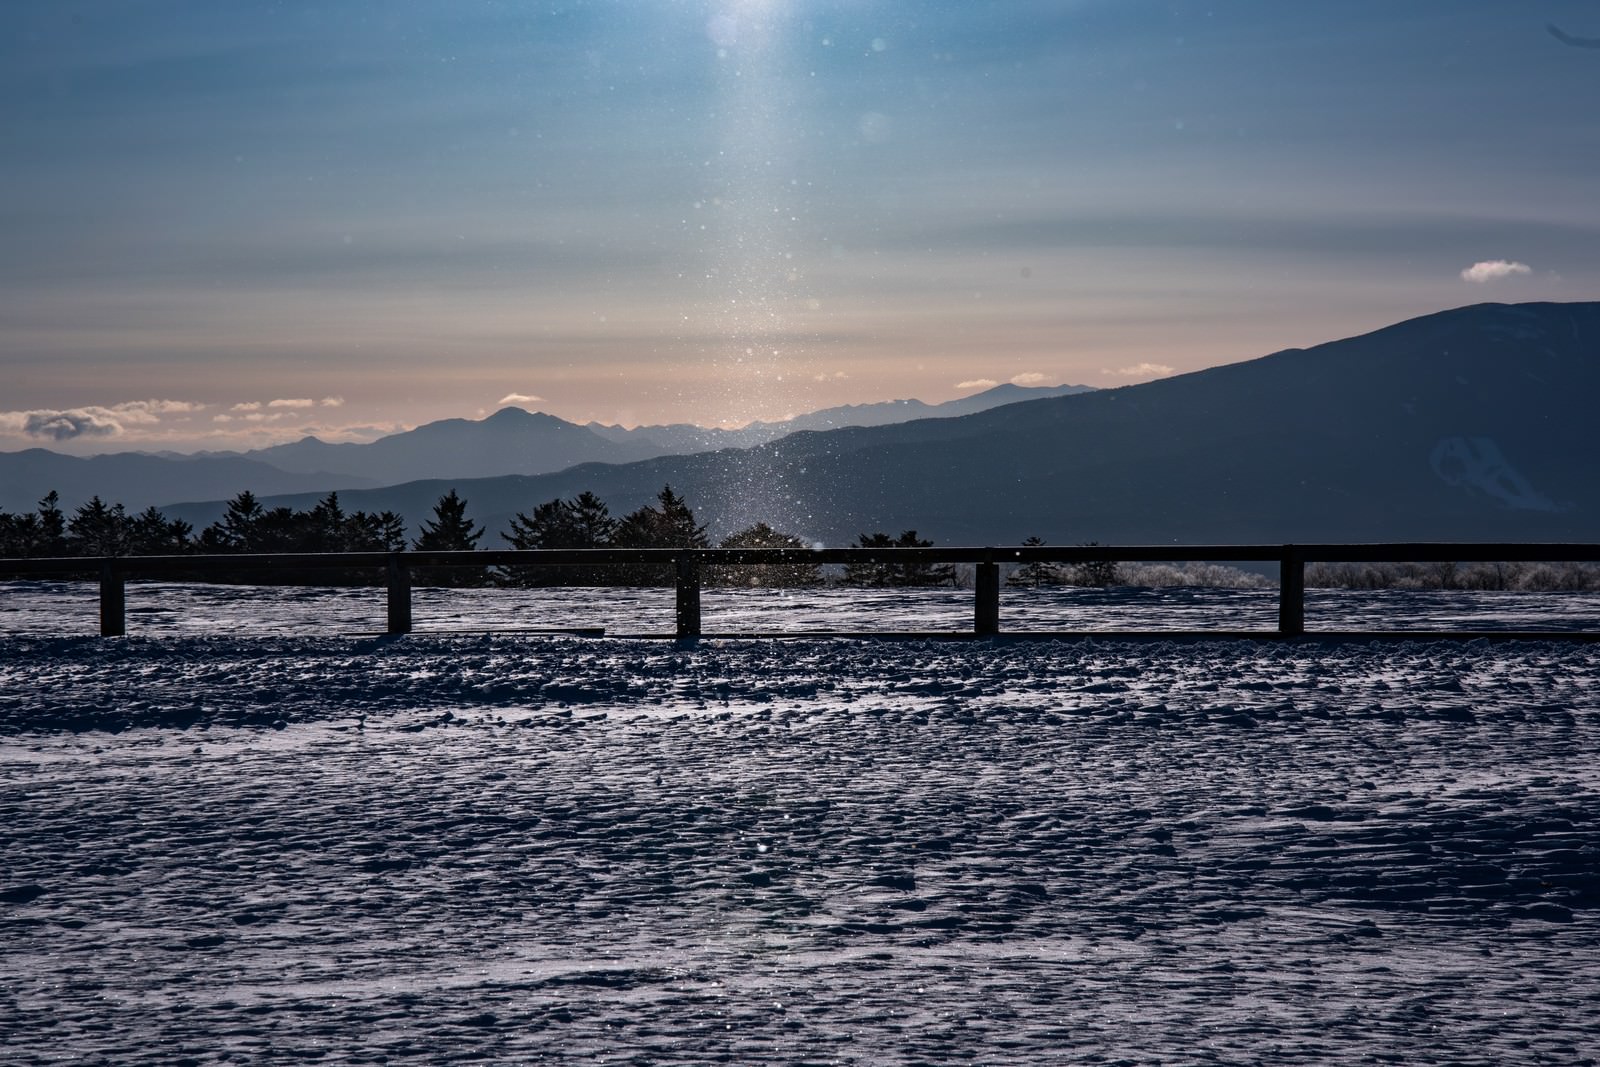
(163, 609)
(270, 839)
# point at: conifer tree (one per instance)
(592, 523)
(383, 532)
(17, 534)
(1035, 574)
(550, 526)
(668, 523)
(895, 573)
(52, 527)
(98, 529)
(766, 575)
(239, 528)
(450, 530)
(326, 527)
(35, 533)
(582, 522)
(150, 533)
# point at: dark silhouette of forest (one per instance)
(246, 527)
(98, 528)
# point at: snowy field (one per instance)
(163, 609)
(248, 834)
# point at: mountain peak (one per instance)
(513, 414)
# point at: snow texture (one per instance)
(520, 848)
(161, 609)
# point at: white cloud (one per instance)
(1141, 370)
(64, 424)
(520, 398)
(978, 383)
(1490, 270)
(253, 405)
(331, 402)
(1028, 378)
(836, 376)
(152, 410)
(293, 402)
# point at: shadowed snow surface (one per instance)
(171, 609)
(522, 848)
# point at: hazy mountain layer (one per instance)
(511, 441)
(137, 480)
(680, 438)
(1469, 424)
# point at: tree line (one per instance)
(101, 529)
(584, 521)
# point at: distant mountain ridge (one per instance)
(511, 441)
(137, 480)
(680, 438)
(1470, 425)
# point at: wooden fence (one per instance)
(687, 565)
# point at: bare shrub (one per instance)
(1193, 575)
(1483, 575)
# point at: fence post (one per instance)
(688, 596)
(399, 595)
(113, 600)
(1291, 592)
(986, 599)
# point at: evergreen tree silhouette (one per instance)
(550, 526)
(583, 522)
(668, 523)
(150, 533)
(897, 574)
(383, 532)
(239, 528)
(450, 531)
(52, 527)
(1035, 574)
(766, 575)
(592, 523)
(325, 527)
(36, 533)
(18, 534)
(98, 529)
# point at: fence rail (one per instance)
(687, 565)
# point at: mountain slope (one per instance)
(511, 441)
(682, 438)
(1471, 424)
(137, 480)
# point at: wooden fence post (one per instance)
(113, 600)
(986, 600)
(688, 613)
(399, 595)
(1291, 592)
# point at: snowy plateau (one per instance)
(257, 832)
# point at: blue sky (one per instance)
(229, 224)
